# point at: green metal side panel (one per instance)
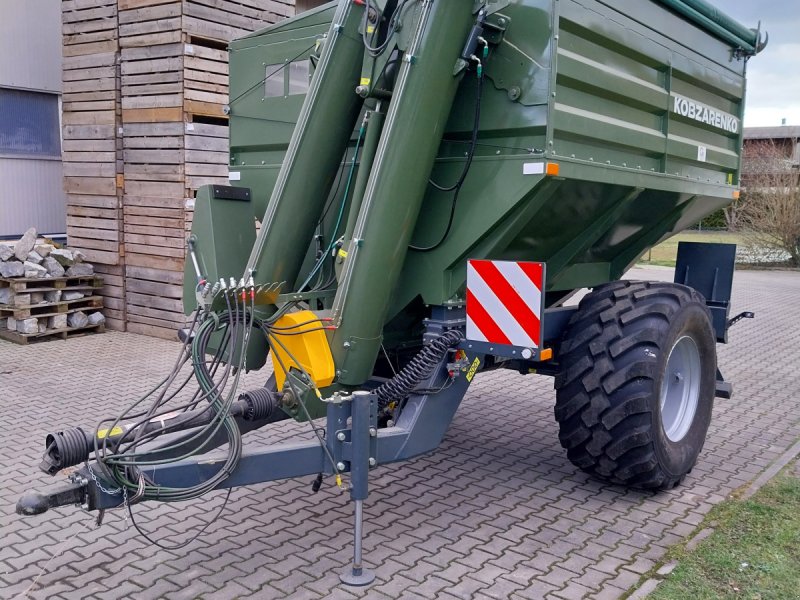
(640, 107)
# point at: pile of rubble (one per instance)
(28, 259)
(46, 290)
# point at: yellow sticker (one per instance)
(365, 80)
(473, 368)
(342, 253)
(101, 434)
(730, 178)
(370, 28)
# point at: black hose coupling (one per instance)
(65, 449)
(260, 403)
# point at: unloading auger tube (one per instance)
(450, 181)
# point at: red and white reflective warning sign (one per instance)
(505, 302)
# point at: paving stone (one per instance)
(497, 511)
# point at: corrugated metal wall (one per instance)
(30, 60)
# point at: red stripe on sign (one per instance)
(484, 321)
(534, 273)
(505, 292)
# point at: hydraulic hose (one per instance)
(417, 369)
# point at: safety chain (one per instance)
(99, 485)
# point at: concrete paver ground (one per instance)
(496, 512)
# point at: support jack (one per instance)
(357, 575)
(363, 413)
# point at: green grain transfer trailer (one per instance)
(417, 188)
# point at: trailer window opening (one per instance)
(274, 81)
(298, 77)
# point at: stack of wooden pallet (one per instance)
(37, 309)
(169, 134)
(92, 158)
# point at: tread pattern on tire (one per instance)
(603, 403)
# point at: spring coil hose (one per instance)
(417, 369)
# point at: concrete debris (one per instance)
(25, 244)
(22, 300)
(34, 257)
(78, 256)
(42, 326)
(11, 324)
(64, 257)
(28, 325)
(11, 268)
(96, 318)
(77, 319)
(33, 270)
(71, 295)
(5, 295)
(53, 267)
(80, 270)
(6, 252)
(37, 297)
(53, 296)
(57, 321)
(44, 250)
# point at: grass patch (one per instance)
(754, 552)
(665, 253)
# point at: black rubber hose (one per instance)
(418, 368)
(65, 449)
(261, 403)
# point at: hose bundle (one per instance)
(418, 368)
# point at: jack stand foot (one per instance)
(357, 575)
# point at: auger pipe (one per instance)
(718, 23)
(323, 130)
(421, 102)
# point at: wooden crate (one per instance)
(92, 156)
(146, 129)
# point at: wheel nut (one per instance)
(373, 432)
(372, 462)
(341, 437)
(340, 466)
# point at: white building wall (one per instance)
(30, 61)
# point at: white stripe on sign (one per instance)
(500, 314)
(473, 333)
(520, 281)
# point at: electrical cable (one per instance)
(392, 27)
(456, 187)
(341, 211)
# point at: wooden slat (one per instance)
(154, 262)
(101, 186)
(152, 115)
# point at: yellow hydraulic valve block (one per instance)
(298, 340)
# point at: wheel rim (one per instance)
(680, 389)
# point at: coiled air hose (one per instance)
(417, 369)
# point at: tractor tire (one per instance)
(637, 382)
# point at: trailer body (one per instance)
(414, 183)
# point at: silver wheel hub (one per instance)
(680, 389)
